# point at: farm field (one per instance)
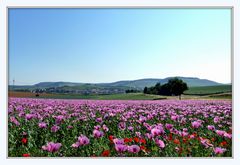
(128, 96)
(28, 94)
(119, 128)
(207, 90)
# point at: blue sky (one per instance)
(107, 45)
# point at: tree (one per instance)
(145, 90)
(152, 90)
(174, 87)
(165, 90)
(158, 88)
(177, 87)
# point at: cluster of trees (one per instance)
(132, 91)
(174, 87)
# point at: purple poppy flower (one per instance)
(83, 140)
(55, 128)
(99, 120)
(216, 119)
(219, 150)
(211, 127)
(52, 147)
(59, 119)
(169, 126)
(174, 117)
(227, 135)
(97, 133)
(105, 128)
(157, 131)
(42, 125)
(149, 136)
(220, 132)
(29, 116)
(120, 147)
(160, 143)
(76, 145)
(122, 125)
(14, 120)
(206, 143)
(138, 134)
(196, 124)
(97, 127)
(118, 141)
(130, 128)
(134, 148)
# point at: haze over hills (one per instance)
(141, 83)
(56, 84)
(137, 84)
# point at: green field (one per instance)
(128, 96)
(208, 90)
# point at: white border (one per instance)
(74, 3)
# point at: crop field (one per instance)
(119, 128)
(206, 90)
(123, 96)
(28, 94)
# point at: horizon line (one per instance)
(23, 83)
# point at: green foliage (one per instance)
(145, 90)
(174, 86)
(132, 91)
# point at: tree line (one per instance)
(174, 87)
(132, 91)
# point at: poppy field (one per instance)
(114, 128)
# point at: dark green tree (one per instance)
(177, 87)
(152, 90)
(165, 90)
(145, 90)
(158, 88)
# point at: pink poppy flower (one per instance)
(14, 120)
(105, 128)
(42, 125)
(196, 124)
(120, 147)
(52, 147)
(160, 143)
(220, 132)
(211, 127)
(97, 133)
(83, 140)
(29, 116)
(168, 126)
(118, 141)
(157, 131)
(55, 128)
(134, 148)
(219, 150)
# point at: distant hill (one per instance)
(136, 84)
(141, 83)
(194, 81)
(56, 84)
